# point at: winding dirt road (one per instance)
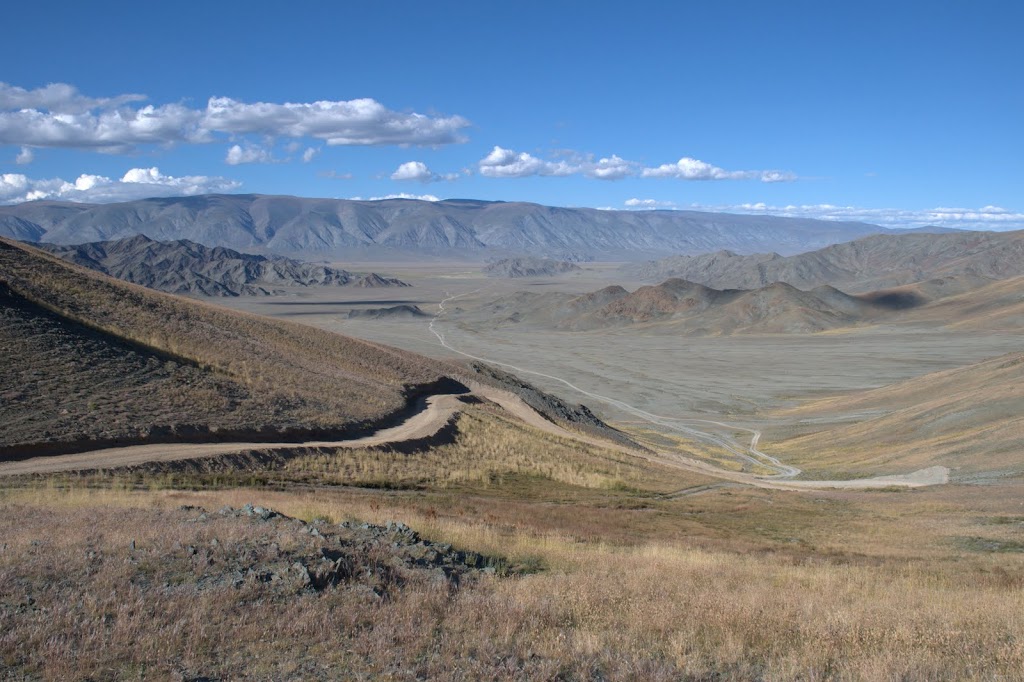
(437, 411)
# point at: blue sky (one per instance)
(883, 112)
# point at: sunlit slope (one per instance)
(970, 419)
(90, 357)
(995, 307)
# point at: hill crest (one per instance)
(186, 267)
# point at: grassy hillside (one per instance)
(91, 357)
(968, 419)
(997, 306)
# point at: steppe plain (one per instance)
(745, 381)
(588, 562)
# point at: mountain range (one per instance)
(870, 263)
(353, 229)
(185, 267)
(682, 307)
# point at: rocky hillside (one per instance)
(185, 267)
(526, 266)
(392, 228)
(680, 306)
(875, 262)
(395, 312)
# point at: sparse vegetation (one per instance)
(606, 565)
(650, 608)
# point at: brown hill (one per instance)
(868, 264)
(684, 307)
(996, 306)
(185, 267)
(527, 266)
(89, 359)
(968, 419)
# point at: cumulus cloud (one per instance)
(354, 122)
(688, 168)
(238, 154)
(984, 218)
(400, 195)
(418, 171)
(26, 155)
(310, 154)
(59, 98)
(612, 168)
(507, 163)
(136, 183)
(648, 203)
(59, 116)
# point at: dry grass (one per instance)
(968, 419)
(651, 610)
(488, 447)
(292, 374)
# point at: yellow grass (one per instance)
(652, 610)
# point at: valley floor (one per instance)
(585, 562)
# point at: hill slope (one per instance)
(528, 267)
(871, 263)
(185, 267)
(679, 306)
(92, 359)
(998, 305)
(354, 229)
(968, 419)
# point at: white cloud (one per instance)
(613, 168)
(648, 203)
(984, 218)
(110, 130)
(354, 122)
(25, 156)
(335, 175)
(310, 154)
(506, 163)
(137, 183)
(248, 154)
(417, 170)
(400, 195)
(688, 168)
(59, 116)
(59, 98)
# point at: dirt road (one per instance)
(436, 412)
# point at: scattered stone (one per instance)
(325, 556)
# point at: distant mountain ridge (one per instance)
(688, 308)
(185, 267)
(867, 264)
(461, 228)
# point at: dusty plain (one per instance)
(605, 565)
(746, 382)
